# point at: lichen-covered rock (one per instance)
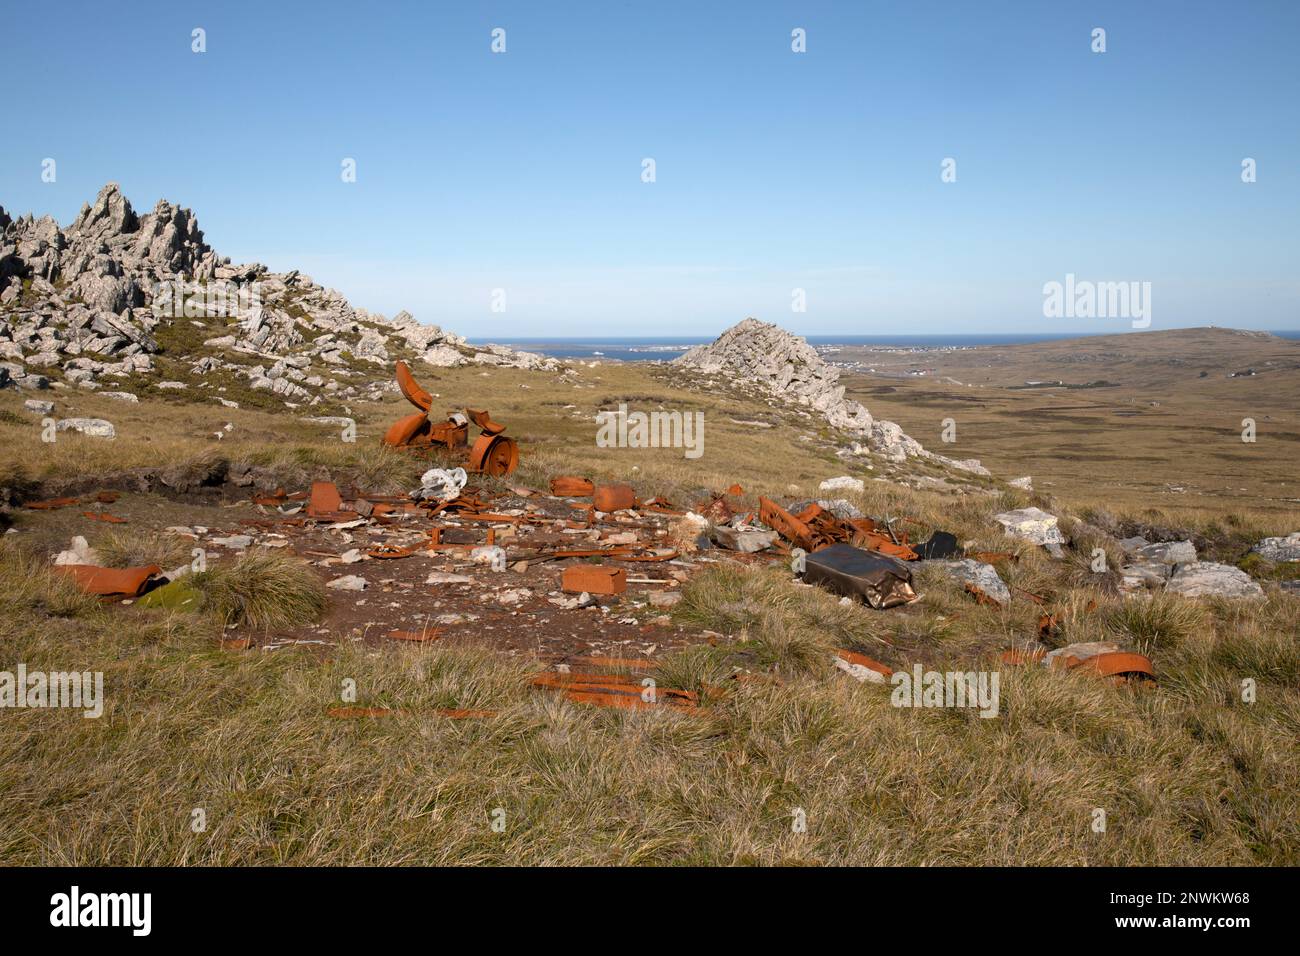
(978, 575)
(1032, 524)
(1279, 549)
(1205, 578)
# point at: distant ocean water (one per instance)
(651, 348)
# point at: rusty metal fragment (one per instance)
(571, 486)
(880, 581)
(610, 498)
(492, 454)
(110, 582)
(594, 579)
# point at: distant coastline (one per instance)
(666, 348)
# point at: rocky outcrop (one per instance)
(88, 302)
(784, 366)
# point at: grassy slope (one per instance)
(1186, 774)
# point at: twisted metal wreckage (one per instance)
(492, 454)
(857, 557)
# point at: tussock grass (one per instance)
(1188, 772)
(1156, 622)
(263, 590)
(131, 547)
(28, 586)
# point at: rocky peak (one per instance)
(110, 215)
(786, 367)
(87, 303)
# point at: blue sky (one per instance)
(774, 170)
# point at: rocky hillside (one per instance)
(122, 301)
(784, 367)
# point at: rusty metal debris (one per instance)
(593, 579)
(1102, 658)
(111, 582)
(571, 486)
(611, 498)
(879, 580)
(816, 528)
(492, 453)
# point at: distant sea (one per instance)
(652, 348)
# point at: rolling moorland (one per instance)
(285, 710)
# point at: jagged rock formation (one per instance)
(89, 302)
(787, 367)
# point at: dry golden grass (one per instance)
(1188, 773)
(262, 590)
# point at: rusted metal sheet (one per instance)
(411, 389)
(594, 579)
(862, 660)
(571, 486)
(325, 499)
(406, 430)
(610, 498)
(426, 636)
(110, 582)
(51, 504)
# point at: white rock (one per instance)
(78, 552)
(1275, 549)
(1205, 578)
(446, 577)
(980, 575)
(844, 482)
(91, 427)
(39, 407)
(441, 484)
(1031, 524)
(349, 582)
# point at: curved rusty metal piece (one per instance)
(405, 430)
(110, 582)
(483, 420)
(411, 389)
(1119, 664)
(494, 455)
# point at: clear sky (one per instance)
(775, 170)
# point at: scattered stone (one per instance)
(979, 575)
(1279, 549)
(236, 541)
(349, 582)
(91, 427)
(747, 540)
(1033, 525)
(39, 407)
(1164, 552)
(1024, 484)
(843, 483)
(78, 552)
(446, 577)
(1205, 578)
